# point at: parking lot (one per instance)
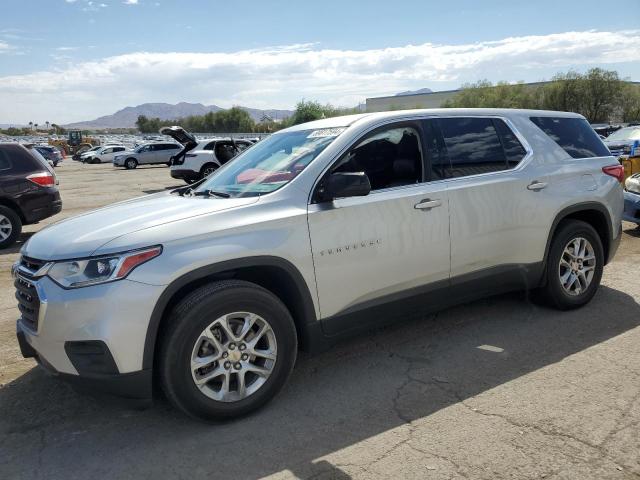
(500, 388)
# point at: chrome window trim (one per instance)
(521, 164)
(426, 116)
(371, 128)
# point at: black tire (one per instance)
(187, 321)
(553, 293)
(15, 223)
(208, 167)
(130, 163)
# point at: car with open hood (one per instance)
(625, 141)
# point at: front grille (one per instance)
(31, 264)
(28, 302)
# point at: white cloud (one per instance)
(130, 2)
(4, 46)
(278, 77)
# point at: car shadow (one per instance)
(22, 239)
(357, 390)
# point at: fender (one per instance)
(305, 324)
(579, 207)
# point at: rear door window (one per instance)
(574, 135)
(473, 146)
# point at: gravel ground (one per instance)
(499, 388)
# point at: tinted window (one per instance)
(574, 135)
(118, 149)
(513, 149)
(436, 153)
(209, 146)
(473, 146)
(5, 163)
(242, 146)
(391, 157)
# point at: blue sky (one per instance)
(75, 60)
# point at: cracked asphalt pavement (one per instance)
(499, 388)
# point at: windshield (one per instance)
(625, 134)
(271, 163)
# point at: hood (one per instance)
(82, 235)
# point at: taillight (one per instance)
(616, 171)
(44, 179)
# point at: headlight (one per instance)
(95, 270)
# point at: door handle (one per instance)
(536, 185)
(427, 204)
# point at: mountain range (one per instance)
(126, 118)
(414, 92)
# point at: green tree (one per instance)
(631, 103)
(307, 111)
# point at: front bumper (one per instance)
(631, 207)
(93, 335)
(133, 385)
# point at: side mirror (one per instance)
(345, 184)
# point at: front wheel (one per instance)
(574, 265)
(229, 348)
(130, 163)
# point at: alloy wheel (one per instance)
(5, 228)
(234, 356)
(577, 266)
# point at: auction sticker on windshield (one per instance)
(327, 132)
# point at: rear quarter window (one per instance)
(5, 162)
(574, 135)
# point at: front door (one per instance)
(387, 245)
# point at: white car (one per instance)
(84, 156)
(201, 160)
(105, 154)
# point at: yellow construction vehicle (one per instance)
(75, 143)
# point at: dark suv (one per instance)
(28, 191)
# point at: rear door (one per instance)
(496, 223)
(385, 246)
(146, 155)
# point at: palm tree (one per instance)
(47, 122)
(30, 125)
(36, 125)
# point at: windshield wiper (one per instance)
(211, 193)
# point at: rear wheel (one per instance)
(10, 226)
(574, 265)
(130, 163)
(228, 349)
(208, 169)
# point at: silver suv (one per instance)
(148, 154)
(317, 232)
